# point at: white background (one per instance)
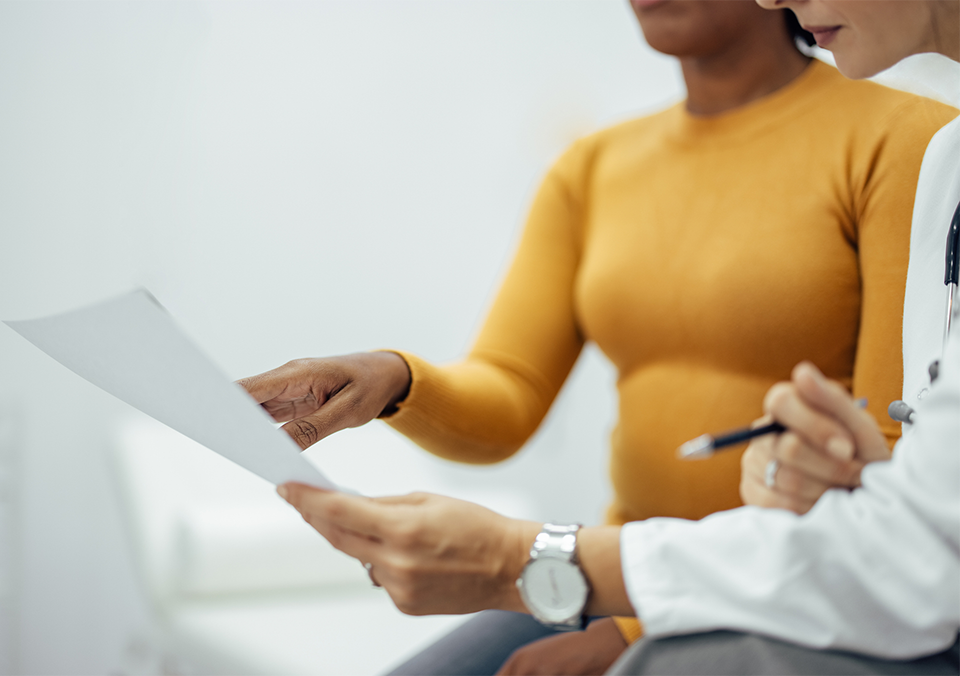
(289, 179)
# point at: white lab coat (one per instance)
(874, 571)
(924, 304)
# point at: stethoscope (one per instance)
(900, 410)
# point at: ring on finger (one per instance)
(369, 568)
(770, 474)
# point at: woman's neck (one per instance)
(740, 74)
(946, 31)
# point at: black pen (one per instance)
(704, 445)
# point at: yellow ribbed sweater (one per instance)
(705, 256)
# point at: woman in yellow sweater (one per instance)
(684, 246)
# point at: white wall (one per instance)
(289, 179)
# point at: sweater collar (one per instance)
(755, 117)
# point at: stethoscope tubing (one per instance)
(951, 273)
(900, 410)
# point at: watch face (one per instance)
(554, 589)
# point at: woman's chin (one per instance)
(859, 68)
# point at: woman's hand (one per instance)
(317, 397)
(437, 555)
(432, 554)
(591, 651)
(828, 442)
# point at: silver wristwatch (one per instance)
(552, 584)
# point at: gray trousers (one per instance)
(726, 653)
(478, 647)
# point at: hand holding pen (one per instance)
(825, 440)
(707, 444)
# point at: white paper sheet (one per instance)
(131, 347)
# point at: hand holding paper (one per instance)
(131, 348)
(317, 397)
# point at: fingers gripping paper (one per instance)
(131, 347)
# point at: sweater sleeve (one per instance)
(875, 570)
(483, 409)
(887, 178)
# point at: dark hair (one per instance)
(796, 32)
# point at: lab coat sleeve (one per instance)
(874, 571)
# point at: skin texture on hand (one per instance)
(579, 653)
(317, 397)
(438, 555)
(828, 442)
(432, 554)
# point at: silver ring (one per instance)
(770, 474)
(369, 568)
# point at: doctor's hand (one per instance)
(432, 554)
(317, 397)
(437, 555)
(829, 439)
